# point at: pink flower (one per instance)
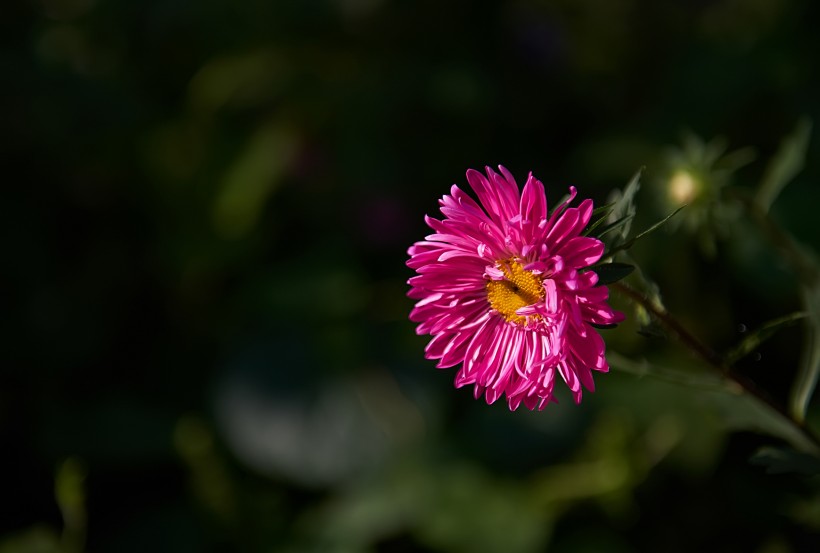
(507, 293)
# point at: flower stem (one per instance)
(715, 360)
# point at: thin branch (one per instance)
(714, 359)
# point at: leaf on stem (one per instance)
(652, 329)
(612, 272)
(806, 379)
(624, 205)
(760, 335)
(744, 411)
(781, 460)
(598, 218)
(609, 227)
(631, 242)
(786, 163)
(647, 324)
(602, 211)
(701, 380)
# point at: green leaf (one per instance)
(743, 411)
(37, 539)
(652, 330)
(780, 460)
(614, 225)
(631, 242)
(602, 211)
(787, 162)
(760, 335)
(656, 225)
(599, 217)
(624, 205)
(806, 379)
(649, 288)
(701, 380)
(612, 272)
(252, 178)
(69, 491)
(735, 159)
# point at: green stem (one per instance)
(714, 359)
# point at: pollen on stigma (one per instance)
(518, 289)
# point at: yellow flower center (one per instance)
(519, 288)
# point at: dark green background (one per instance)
(205, 213)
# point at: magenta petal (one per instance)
(563, 229)
(507, 191)
(533, 207)
(490, 197)
(581, 251)
(584, 214)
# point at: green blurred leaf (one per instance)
(787, 162)
(37, 539)
(702, 380)
(807, 512)
(452, 522)
(251, 179)
(613, 272)
(780, 460)
(742, 411)
(598, 217)
(649, 289)
(760, 335)
(208, 477)
(228, 78)
(806, 379)
(69, 491)
(734, 160)
(602, 211)
(446, 506)
(652, 329)
(614, 225)
(631, 242)
(624, 205)
(656, 226)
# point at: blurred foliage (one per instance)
(205, 218)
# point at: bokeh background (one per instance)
(206, 210)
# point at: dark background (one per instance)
(205, 216)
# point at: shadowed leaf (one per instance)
(69, 491)
(702, 380)
(251, 180)
(631, 242)
(743, 411)
(806, 379)
(624, 205)
(613, 272)
(602, 211)
(598, 218)
(760, 335)
(615, 225)
(37, 539)
(787, 162)
(780, 460)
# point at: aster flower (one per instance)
(506, 291)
